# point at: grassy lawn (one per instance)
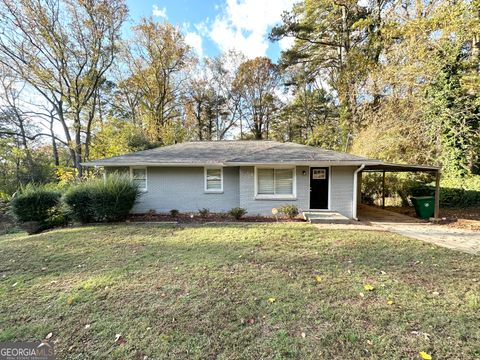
(203, 292)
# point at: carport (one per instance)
(385, 167)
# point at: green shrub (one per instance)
(60, 216)
(113, 197)
(79, 199)
(460, 192)
(35, 207)
(109, 199)
(290, 211)
(237, 212)
(454, 192)
(174, 213)
(204, 212)
(4, 203)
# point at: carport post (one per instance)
(436, 212)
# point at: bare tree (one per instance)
(62, 49)
(222, 72)
(255, 83)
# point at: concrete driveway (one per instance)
(458, 239)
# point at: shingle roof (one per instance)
(231, 153)
(227, 152)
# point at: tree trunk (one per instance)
(78, 145)
(59, 110)
(54, 142)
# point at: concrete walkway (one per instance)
(458, 239)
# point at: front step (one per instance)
(325, 217)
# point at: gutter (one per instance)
(229, 163)
(355, 191)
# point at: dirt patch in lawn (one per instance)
(466, 218)
(212, 217)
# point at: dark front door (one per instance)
(319, 188)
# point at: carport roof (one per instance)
(392, 167)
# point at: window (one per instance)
(275, 183)
(213, 180)
(319, 174)
(139, 177)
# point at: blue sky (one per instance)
(211, 27)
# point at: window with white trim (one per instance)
(275, 182)
(139, 177)
(213, 179)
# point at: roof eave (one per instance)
(299, 163)
(126, 164)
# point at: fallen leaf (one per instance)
(119, 339)
(271, 300)
(425, 356)
(421, 333)
(368, 287)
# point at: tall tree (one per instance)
(454, 118)
(211, 100)
(255, 84)
(310, 116)
(158, 59)
(336, 42)
(427, 82)
(222, 71)
(204, 106)
(63, 49)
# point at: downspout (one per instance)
(355, 191)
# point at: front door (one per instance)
(319, 188)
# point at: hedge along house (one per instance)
(255, 175)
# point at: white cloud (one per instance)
(286, 43)
(156, 11)
(195, 41)
(244, 25)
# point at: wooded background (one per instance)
(393, 80)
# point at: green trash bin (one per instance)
(424, 206)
